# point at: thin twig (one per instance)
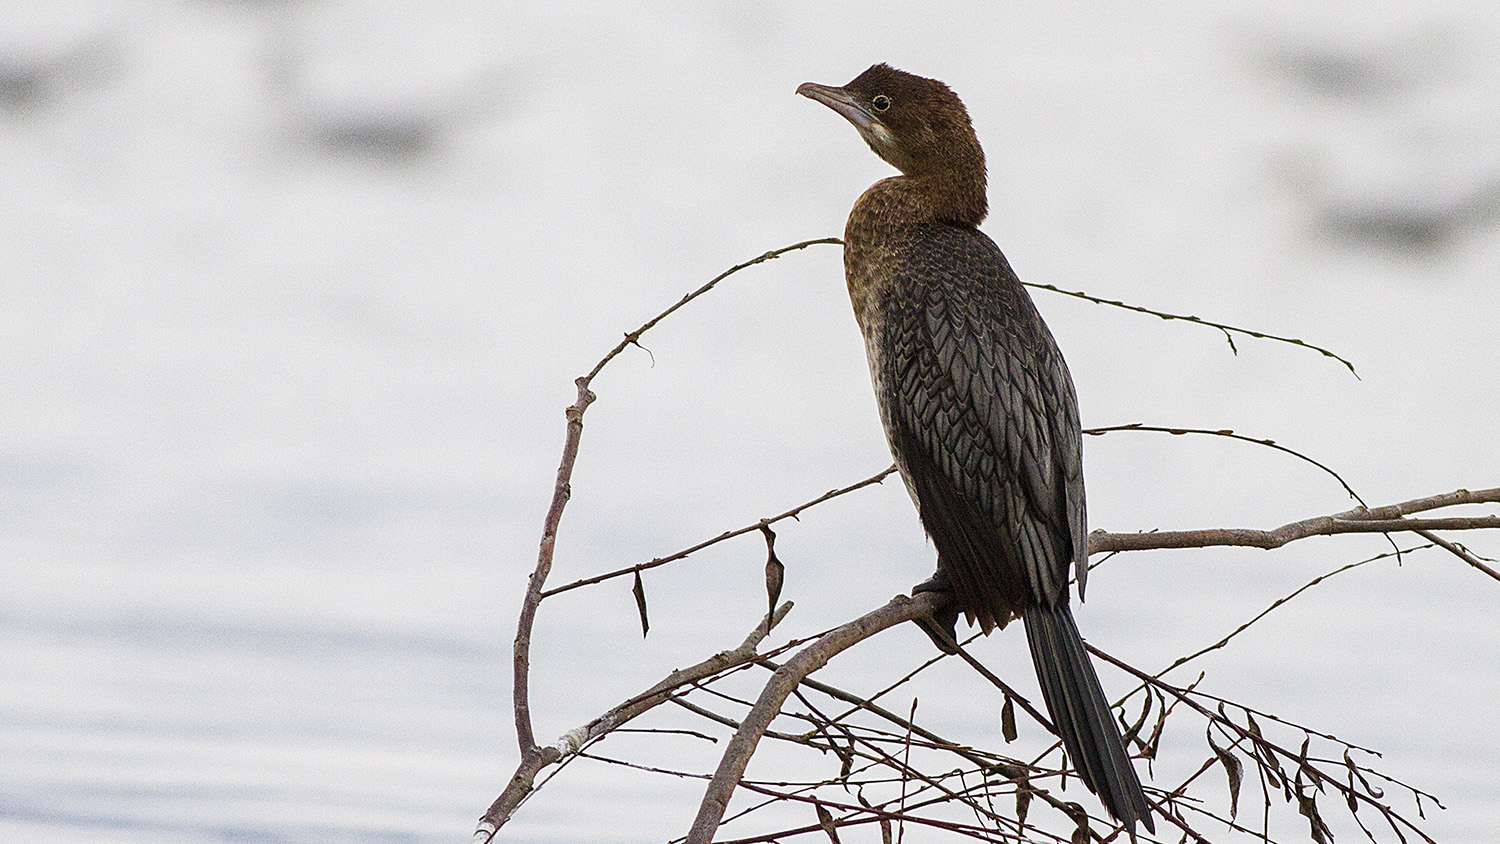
(1458, 551)
(633, 338)
(728, 534)
(1229, 330)
(1183, 660)
(1227, 434)
(905, 764)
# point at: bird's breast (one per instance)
(875, 238)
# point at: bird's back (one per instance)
(982, 418)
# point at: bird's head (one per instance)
(916, 124)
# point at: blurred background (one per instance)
(292, 295)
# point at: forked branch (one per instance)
(1018, 781)
(1387, 519)
(574, 740)
(534, 758)
(783, 681)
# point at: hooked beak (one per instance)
(870, 128)
(840, 101)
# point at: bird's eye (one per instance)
(881, 102)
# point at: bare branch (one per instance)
(1387, 519)
(1227, 434)
(633, 338)
(782, 682)
(728, 534)
(516, 791)
(1229, 330)
(872, 749)
(1459, 551)
(533, 758)
(1434, 502)
(1317, 526)
(573, 741)
(561, 491)
(795, 671)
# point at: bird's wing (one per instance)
(984, 420)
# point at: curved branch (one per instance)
(562, 490)
(633, 338)
(1229, 330)
(1227, 434)
(783, 681)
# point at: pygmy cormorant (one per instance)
(977, 404)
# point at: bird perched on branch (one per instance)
(977, 404)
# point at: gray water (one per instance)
(293, 295)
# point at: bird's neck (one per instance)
(883, 220)
(944, 197)
(956, 198)
(892, 207)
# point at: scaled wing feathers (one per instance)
(983, 419)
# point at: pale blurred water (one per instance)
(293, 294)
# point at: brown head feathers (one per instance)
(921, 128)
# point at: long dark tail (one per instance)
(1084, 723)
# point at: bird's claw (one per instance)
(942, 626)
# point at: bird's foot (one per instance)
(941, 626)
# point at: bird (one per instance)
(978, 405)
